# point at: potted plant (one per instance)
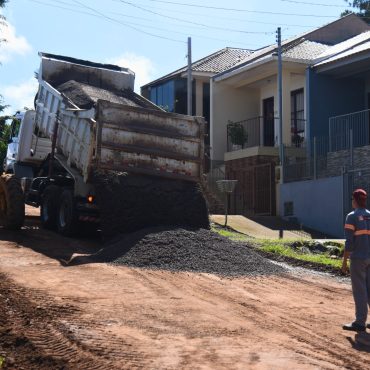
(237, 135)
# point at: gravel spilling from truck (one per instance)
(85, 96)
(130, 202)
(179, 249)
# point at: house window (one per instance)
(297, 117)
(164, 95)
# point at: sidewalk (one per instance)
(265, 227)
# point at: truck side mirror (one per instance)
(10, 141)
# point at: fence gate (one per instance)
(352, 180)
(254, 193)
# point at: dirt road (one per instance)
(97, 316)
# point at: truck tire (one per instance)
(67, 219)
(49, 207)
(11, 202)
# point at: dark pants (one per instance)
(360, 277)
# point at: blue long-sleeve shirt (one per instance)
(357, 232)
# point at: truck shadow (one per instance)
(51, 244)
(83, 249)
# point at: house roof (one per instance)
(217, 62)
(305, 50)
(345, 49)
(306, 47)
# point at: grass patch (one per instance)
(284, 248)
(233, 235)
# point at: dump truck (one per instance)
(94, 153)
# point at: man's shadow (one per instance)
(361, 342)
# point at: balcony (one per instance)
(298, 132)
(252, 132)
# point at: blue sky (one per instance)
(148, 36)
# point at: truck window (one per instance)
(16, 123)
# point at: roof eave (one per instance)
(232, 72)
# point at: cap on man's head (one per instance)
(360, 195)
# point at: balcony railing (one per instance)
(257, 132)
(250, 133)
(298, 131)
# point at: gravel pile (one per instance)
(130, 202)
(186, 250)
(85, 96)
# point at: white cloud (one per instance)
(14, 44)
(142, 66)
(19, 95)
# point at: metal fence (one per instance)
(319, 161)
(353, 179)
(346, 148)
(349, 129)
(216, 173)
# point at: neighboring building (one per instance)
(170, 91)
(244, 111)
(338, 160)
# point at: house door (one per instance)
(268, 122)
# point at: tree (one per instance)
(361, 8)
(4, 134)
(2, 18)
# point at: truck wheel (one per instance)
(67, 220)
(49, 207)
(11, 203)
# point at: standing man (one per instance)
(357, 247)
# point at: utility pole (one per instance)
(280, 97)
(190, 82)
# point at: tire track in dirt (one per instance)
(324, 348)
(53, 331)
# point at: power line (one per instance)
(239, 10)
(74, 10)
(62, 7)
(124, 24)
(222, 18)
(110, 19)
(196, 23)
(318, 4)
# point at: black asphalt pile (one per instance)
(130, 202)
(85, 96)
(180, 249)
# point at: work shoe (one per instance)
(354, 326)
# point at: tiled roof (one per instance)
(221, 60)
(297, 49)
(217, 62)
(305, 47)
(305, 50)
(345, 45)
(346, 54)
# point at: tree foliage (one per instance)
(4, 133)
(360, 8)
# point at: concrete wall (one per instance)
(318, 204)
(228, 103)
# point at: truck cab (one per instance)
(13, 143)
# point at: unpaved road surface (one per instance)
(55, 315)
